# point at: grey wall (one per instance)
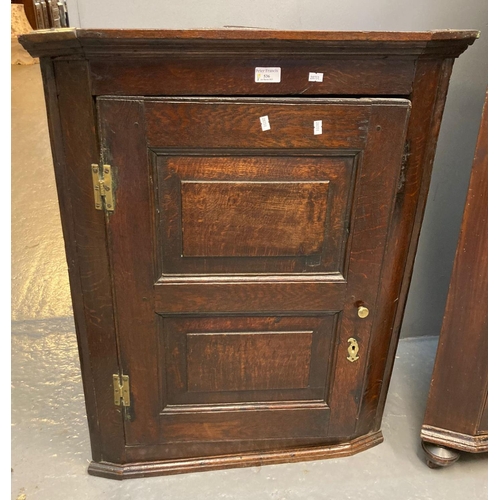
(462, 114)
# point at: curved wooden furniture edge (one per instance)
(457, 440)
(146, 469)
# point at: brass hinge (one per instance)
(121, 390)
(104, 197)
(404, 166)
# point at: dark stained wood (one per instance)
(140, 43)
(132, 281)
(483, 422)
(445, 440)
(274, 294)
(182, 450)
(380, 124)
(283, 177)
(367, 257)
(235, 123)
(202, 76)
(227, 280)
(457, 403)
(219, 218)
(428, 98)
(244, 459)
(246, 361)
(244, 424)
(74, 146)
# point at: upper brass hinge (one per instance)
(404, 166)
(102, 179)
(121, 390)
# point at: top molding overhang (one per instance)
(89, 43)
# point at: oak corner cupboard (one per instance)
(241, 210)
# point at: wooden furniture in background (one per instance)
(29, 11)
(19, 25)
(241, 211)
(457, 409)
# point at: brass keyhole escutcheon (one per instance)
(363, 312)
(352, 350)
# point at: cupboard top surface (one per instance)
(141, 42)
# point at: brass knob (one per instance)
(363, 311)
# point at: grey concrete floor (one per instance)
(50, 444)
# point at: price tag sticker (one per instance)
(264, 123)
(267, 75)
(315, 77)
(318, 127)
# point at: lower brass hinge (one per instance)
(104, 197)
(121, 390)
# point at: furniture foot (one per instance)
(438, 456)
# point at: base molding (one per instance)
(158, 468)
(456, 440)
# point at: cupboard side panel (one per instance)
(74, 145)
(459, 380)
(428, 98)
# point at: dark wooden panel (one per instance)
(483, 422)
(227, 123)
(270, 295)
(257, 165)
(460, 377)
(242, 217)
(243, 42)
(183, 76)
(72, 126)
(253, 219)
(248, 361)
(132, 261)
(428, 97)
(244, 425)
(372, 216)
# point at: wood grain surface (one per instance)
(458, 396)
(376, 129)
(230, 243)
(299, 193)
(219, 218)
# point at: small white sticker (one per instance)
(315, 77)
(318, 127)
(267, 75)
(264, 123)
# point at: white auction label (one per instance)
(264, 123)
(318, 127)
(267, 75)
(315, 77)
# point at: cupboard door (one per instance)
(246, 234)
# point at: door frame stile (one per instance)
(74, 139)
